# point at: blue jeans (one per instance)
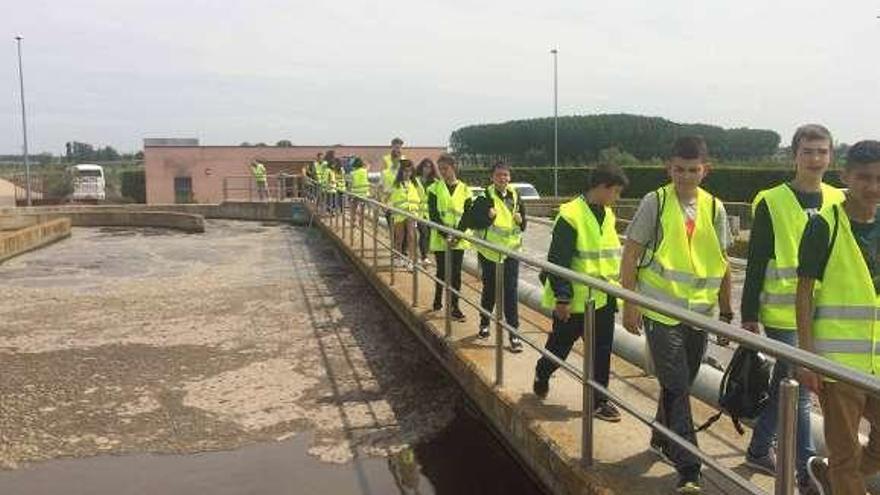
(764, 432)
(677, 351)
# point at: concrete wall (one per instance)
(186, 222)
(7, 194)
(208, 165)
(139, 215)
(13, 243)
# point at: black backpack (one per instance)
(745, 388)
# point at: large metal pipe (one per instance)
(631, 348)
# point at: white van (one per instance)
(88, 182)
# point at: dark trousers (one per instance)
(424, 239)
(455, 276)
(511, 279)
(677, 351)
(564, 335)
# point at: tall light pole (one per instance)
(27, 163)
(555, 125)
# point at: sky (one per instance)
(356, 72)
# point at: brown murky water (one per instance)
(462, 459)
(249, 359)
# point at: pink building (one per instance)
(207, 174)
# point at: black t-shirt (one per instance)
(813, 255)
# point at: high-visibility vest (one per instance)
(404, 196)
(846, 304)
(259, 172)
(684, 273)
(321, 170)
(504, 231)
(389, 171)
(780, 278)
(340, 179)
(330, 180)
(451, 208)
(423, 195)
(597, 253)
(360, 182)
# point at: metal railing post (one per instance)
(787, 437)
(361, 207)
(589, 356)
(342, 214)
(447, 289)
(391, 246)
(333, 205)
(499, 329)
(375, 239)
(352, 208)
(415, 270)
(226, 189)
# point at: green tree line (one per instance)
(583, 138)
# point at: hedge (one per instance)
(735, 184)
(133, 185)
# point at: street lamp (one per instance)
(555, 126)
(27, 164)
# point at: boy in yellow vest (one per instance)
(390, 164)
(584, 240)
(448, 198)
(837, 319)
(504, 219)
(675, 253)
(779, 217)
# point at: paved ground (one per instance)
(120, 341)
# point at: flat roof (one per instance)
(336, 146)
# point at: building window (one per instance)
(183, 190)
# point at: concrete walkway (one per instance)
(551, 443)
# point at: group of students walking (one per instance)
(812, 281)
(433, 191)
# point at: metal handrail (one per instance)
(760, 343)
(780, 351)
(580, 376)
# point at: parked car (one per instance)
(525, 190)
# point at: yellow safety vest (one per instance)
(423, 195)
(451, 209)
(389, 172)
(259, 172)
(360, 182)
(846, 303)
(684, 273)
(325, 177)
(321, 172)
(404, 196)
(504, 231)
(597, 253)
(780, 279)
(330, 181)
(340, 179)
